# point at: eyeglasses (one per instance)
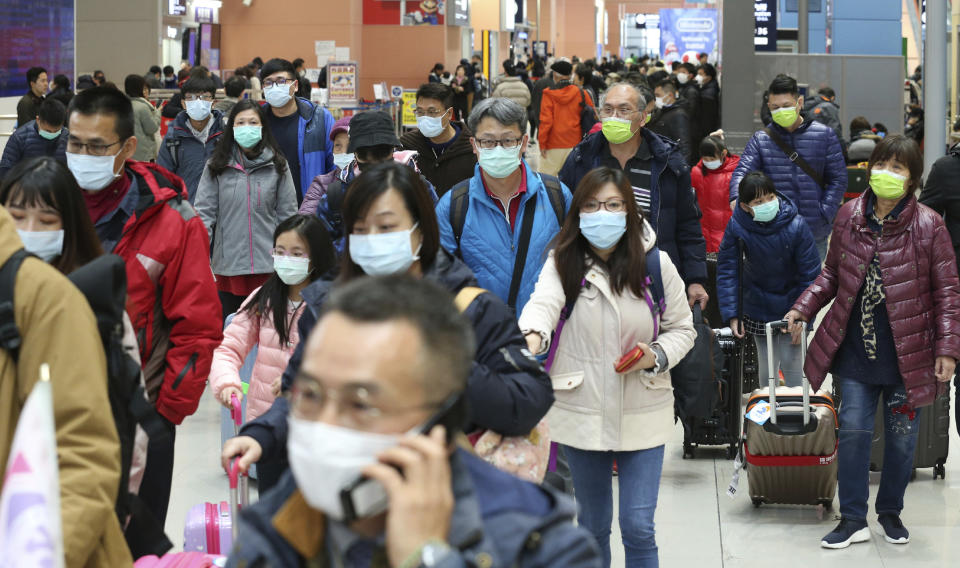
(431, 112)
(267, 83)
(615, 205)
(507, 143)
(620, 112)
(355, 409)
(195, 97)
(92, 149)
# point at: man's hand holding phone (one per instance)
(640, 357)
(421, 499)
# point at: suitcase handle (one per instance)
(236, 413)
(239, 494)
(779, 326)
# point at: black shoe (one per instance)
(893, 530)
(846, 533)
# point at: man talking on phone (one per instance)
(375, 477)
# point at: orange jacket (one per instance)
(560, 117)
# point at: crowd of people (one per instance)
(405, 296)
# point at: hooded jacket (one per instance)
(507, 391)
(940, 193)
(713, 197)
(146, 124)
(782, 260)
(675, 215)
(920, 280)
(182, 154)
(597, 408)
(57, 327)
(673, 122)
(515, 89)
(241, 209)
(26, 143)
(709, 105)
(560, 116)
(820, 147)
(497, 520)
(861, 146)
(448, 169)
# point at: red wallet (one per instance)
(629, 359)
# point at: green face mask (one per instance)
(49, 135)
(785, 117)
(617, 130)
(887, 185)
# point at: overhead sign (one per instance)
(685, 33)
(765, 25)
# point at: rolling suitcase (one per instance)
(790, 456)
(211, 528)
(721, 427)
(933, 442)
(229, 427)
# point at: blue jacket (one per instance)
(488, 245)
(26, 142)
(781, 262)
(313, 142)
(497, 520)
(675, 215)
(182, 154)
(820, 147)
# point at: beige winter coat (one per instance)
(596, 408)
(515, 89)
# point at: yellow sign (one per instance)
(409, 100)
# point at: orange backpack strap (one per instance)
(466, 296)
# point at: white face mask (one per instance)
(47, 245)
(699, 79)
(93, 173)
(430, 126)
(343, 160)
(199, 109)
(712, 164)
(384, 253)
(277, 95)
(290, 269)
(326, 458)
(659, 102)
(682, 78)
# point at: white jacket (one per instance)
(596, 408)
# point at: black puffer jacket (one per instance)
(942, 194)
(26, 142)
(448, 169)
(673, 122)
(508, 391)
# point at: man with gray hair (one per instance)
(501, 220)
(659, 175)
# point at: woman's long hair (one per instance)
(271, 300)
(226, 149)
(573, 254)
(44, 181)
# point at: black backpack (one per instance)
(103, 282)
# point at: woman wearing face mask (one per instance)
(302, 253)
(392, 227)
(146, 118)
(340, 136)
(892, 332)
(462, 89)
(601, 414)
(710, 178)
(245, 191)
(781, 261)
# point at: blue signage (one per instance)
(764, 25)
(685, 33)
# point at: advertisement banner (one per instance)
(409, 13)
(342, 82)
(409, 101)
(684, 33)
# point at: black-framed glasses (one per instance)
(90, 148)
(490, 144)
(615, 205)
(431, 112)
(267, 83)
(195, 97)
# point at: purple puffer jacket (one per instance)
(919, 274)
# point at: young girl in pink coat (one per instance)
(302, 253)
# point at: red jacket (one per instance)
(171, 296)
(713, 197)
(919, 274)
(560, 117)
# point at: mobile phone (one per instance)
(629, 359)
(364, 497)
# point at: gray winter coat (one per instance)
(241, 208)
(146, 123)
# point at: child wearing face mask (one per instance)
(710, 178)
(781, 260)
(302, 253)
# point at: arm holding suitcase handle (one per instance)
(783, 326)
(239, 494)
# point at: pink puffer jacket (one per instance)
(919, 274)
(238, 339)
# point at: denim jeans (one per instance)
(857, 412)
(639, 477)
(786, 357)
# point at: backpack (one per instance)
(173, 146)
(588, 115)
(336, 191)
(103, 282)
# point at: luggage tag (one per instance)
(735, 480)
(760, 413)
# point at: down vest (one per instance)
(820, 147)
(920, 279)
(713, 193)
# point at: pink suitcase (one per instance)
(181, 560)
(211, 527)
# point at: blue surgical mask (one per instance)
(343, 160)
(499, 162)
(277, 95)
(47, 245)
(247, 136)
(383, 253)
(49, 135)
(290, 269)
(199, 109)
(766, 212)
(603, 229)
(430, 126)
(93, 173)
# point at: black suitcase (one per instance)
(932, 443)
(722, 426)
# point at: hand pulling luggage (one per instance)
(212, 527)
(228, 424)
(933, 441)
(790, 440)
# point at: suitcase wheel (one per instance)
(939, 470)
(757, 502)
(731, 451)
(688, 451)
(827, 504)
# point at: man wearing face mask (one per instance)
(44, 136)
(803, 158)
(193, 135)
(560, 110)
(482, 219)
(444, 153)
(659, 176)
(301, 128)
(140, 212)
(670, 118)
(388, 412)
(709, 97)
(689, 96)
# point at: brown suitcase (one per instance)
(792, 457)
